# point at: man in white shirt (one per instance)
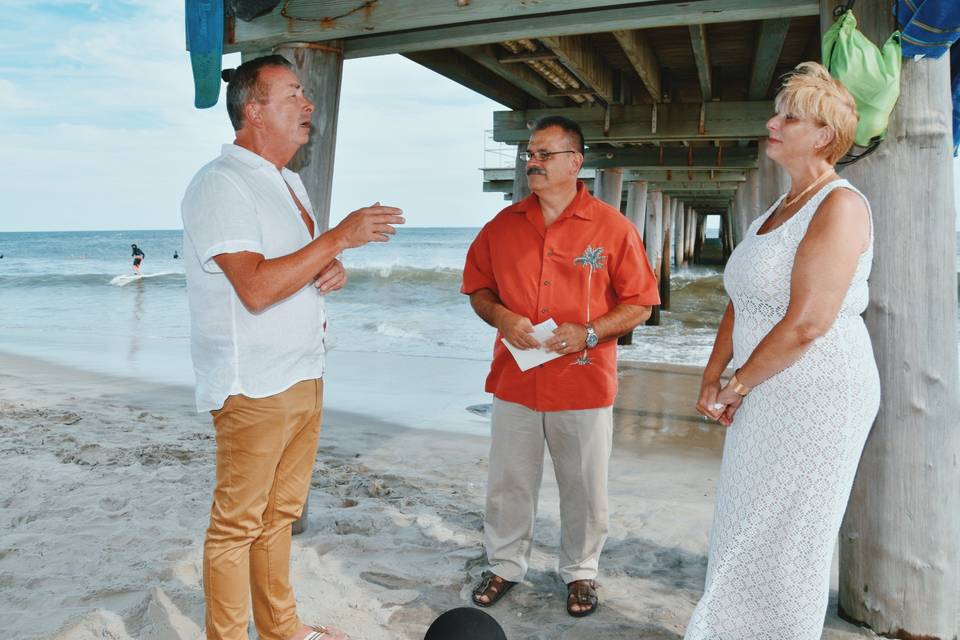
(257, 269)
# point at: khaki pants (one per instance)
(580, 443)
(265, 453)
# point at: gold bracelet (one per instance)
(738, 387)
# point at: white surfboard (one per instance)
(121, 281)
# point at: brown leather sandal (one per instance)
(493, 587)
(583, 593)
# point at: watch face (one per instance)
(592, 339)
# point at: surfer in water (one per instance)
(138, 257)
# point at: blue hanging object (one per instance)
(205, 41)
(930, 29)
(955, 91)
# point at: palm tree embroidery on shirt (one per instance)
(594, 260)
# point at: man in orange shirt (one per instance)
(565, 255)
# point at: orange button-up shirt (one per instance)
(579, 268)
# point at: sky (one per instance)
(98, 129)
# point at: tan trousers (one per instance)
(265, 453)
(580, 443)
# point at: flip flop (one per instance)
(492, 586)
(582, 592)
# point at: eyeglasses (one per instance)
(542, 156)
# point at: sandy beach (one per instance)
(108, 483)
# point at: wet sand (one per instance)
(108, 485)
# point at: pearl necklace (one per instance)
(807, 190)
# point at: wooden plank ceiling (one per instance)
(658, 86)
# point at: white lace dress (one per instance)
(790, 455)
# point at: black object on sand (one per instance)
(465, 623)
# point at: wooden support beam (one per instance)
(652, 241)
(710, 192)
(669, 178)
(637, 205)
(899, 548)
(694, 187)
(608, 186)
(422, 25)
(708, 206)
(669, 208)
(773, 179)
(514, 58)
(769, 45)
(518, 186)
(572, 92)
(584, 61)
(701, 54)
(636, 46)
(730, 178)
(351, 18)
(466, 72)
(673, 158)
(519, 75)
(633, 123)
(679, 254)
(319, 72)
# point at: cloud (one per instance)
(99, 120)
(9, 100)
(106, 115)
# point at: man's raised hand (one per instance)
(369, 224)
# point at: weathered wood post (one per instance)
(726, 233)
(669, 205)
(320, 68)
(740, 215)
(899, 543)
(653, 243)
(747, 206)
(520, 188)
(698, 238)
(774, 179)
(681, 239)
(608, 186)
(691, 232)
(635, 211)
(637, 205)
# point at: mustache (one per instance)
(536, 171)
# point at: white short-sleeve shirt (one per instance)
(240, 202)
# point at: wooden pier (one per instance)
(672, 98)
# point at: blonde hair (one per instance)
(809, 91)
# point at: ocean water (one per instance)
(66, 297)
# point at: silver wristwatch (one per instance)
(592, 338)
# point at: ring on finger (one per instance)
(563, 344)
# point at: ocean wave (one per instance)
(392, 331)
(405, 273)
(33, 280)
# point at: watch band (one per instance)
(592, 338)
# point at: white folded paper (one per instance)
(529, 358)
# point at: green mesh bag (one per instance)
(871, 75)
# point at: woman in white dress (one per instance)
(806, 389)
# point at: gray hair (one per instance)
(243, 85)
